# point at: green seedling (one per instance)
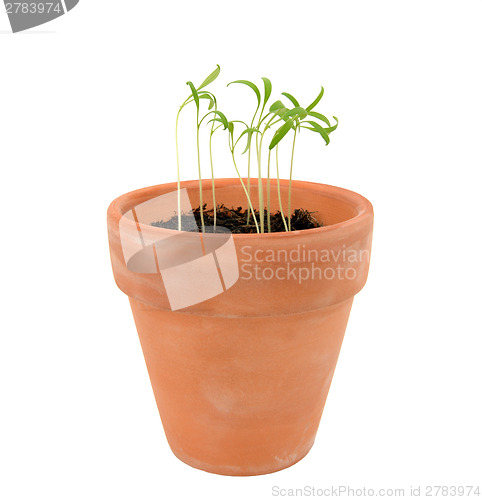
(292, 118)
(295, 119)
(196, 96)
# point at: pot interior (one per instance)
(330, 205)
(326, 209)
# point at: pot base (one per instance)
(241, 396)
(226, 470)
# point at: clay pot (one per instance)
(241, 379)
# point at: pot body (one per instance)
(241, 379)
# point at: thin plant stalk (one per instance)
(291, 176)
(268, 197)
(211, 158)
(178, 170)
(260, 184)
(255, 89)
(178, 175)
(245, 191)
(279, 191)
(212, 173)
(249, 180)
(201, 207)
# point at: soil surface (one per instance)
(237, 220)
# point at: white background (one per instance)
(87, 107)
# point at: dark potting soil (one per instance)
(236, 220)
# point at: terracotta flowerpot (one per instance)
(241, 379)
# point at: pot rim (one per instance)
(122, 204)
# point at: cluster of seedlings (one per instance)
(285, 119)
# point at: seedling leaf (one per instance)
(194, 93)
(291, 98)
(267, 90)
(320, 117)
(276, 105)
(250, 132)
(280, 133)
(295, 112)
(316, 101)
(210, 78)
(231, 134)
(222, 118)
(318, 128)
(240, 121)
(330, 129)
(250, 85)
(207, 96)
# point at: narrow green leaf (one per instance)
(280, 133)
(267, 90)
(210, 78)
(218, 116)
(275, 106)
(318, 128)
(321, 117)
(334, 127)
(295, 112)
(277, 109)
(316, 101)
(222, 118)
(248, 143)
(194, 93)
(231, 135)
(250, 132)
(291, 98)
(240, 121)
(251, 86)
(206, 92)
(218, 121)
(207, 96)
